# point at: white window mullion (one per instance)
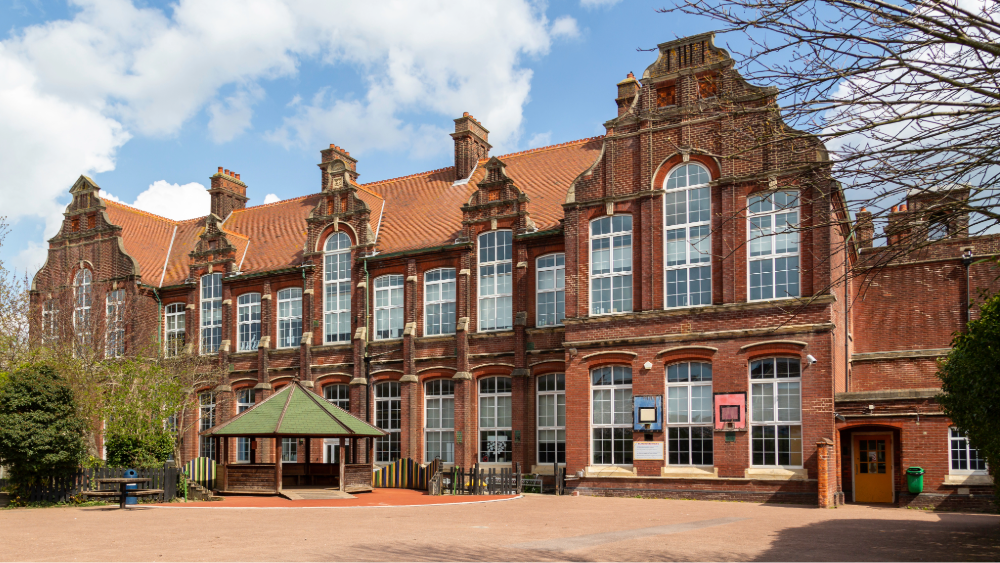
(289, 317)
(687, 237)
(550, 272)
(439, 302)
(495, 430)
(211, 313)
(388, 307)
(611, 265)
(337, 289)
(773, 237)
(495, 281)
(248, 322)
(174, 329)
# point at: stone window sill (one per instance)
(546, 469)
(609, 471)
(689, 472)
(776, 474)
(968, 480)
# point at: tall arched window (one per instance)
(776, 412)
(689, 413)
(774, 245)
(495, 431)
(611, 404)
(247, 322)
(83, 288)
(550, 272)
(211, 313)
(552, 418)
(439, 302)
(289, 317)
(114, 333)
(495, 281)
(687, 236)
(174, 330)
(388, 418)
(337, 289)
(439, 420)
(388, 307)
(611, 265)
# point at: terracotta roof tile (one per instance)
(276, 232)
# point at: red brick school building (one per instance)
(656, 316)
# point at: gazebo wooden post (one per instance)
(308, 460)
(343, 463)
(225, 464)
(277, 465)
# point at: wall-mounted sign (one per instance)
(648, 415)
(730, 411)
(647, 451)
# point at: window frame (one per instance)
(611, 274)
(690, 250)
(250, 344)
(50, 321)
(557, 379)
(495, 429)
(336, 401)
(441, 431)
(392, 285)
(206, 442)
(393, 435)
(967, 449)
(243, 444)
(83, 301)
(441, 302)
(690, 424)
(177, 312)
(560, 292)
(114, 324)
(775, 421)
(496, 297)
(289, 450)
(627, 427)
(336, 290)
(288, 295)
(773, 256)
(210, 330)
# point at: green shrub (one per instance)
(147, 452)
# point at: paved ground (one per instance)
(529, 528)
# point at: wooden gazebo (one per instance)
(294, 412)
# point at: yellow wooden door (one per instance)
(872, 468)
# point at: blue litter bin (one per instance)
(131, 474)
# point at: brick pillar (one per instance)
(409, 391)
(359, 388)
(465, 406)
(225, 409)
(826, 485)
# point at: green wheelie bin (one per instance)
(915, 479)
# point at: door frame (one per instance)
(890, 455)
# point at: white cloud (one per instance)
(565, 26)
(592, 4)
(231, 117)
(173, 201)
(540, 140)
(271, 198)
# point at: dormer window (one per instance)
(666, 96)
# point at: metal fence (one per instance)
(63, 489)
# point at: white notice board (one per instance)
(647, 450)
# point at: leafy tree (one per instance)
(41, 435)
(970, 378)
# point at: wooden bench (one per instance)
(129, 493)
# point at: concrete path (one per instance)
(531, 528)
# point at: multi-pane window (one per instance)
(774, 245)
(211, 313)
(337, 289)
(439, 432)
(495, 281)
(244, 400)
(776, 412)
(689, 414)
(290, 450)
(495, 434)
(387, 419)
(612, 418)
(687, 240)
(50, 321)
(551, 273)
(247, 322)
(206, 420)
(289, 317)
(173, 338)
(339, 395)
(964, 458)
(388, 307)
(84, 295)
(552, 418)
(439, 301)
(611, 265)
(114, 333)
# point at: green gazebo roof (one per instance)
(295, 411)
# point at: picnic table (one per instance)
(123, 493)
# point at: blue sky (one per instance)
(149, 98)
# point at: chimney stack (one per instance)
(471, 145)
(627, 90)
(228, 193)
(864, 228)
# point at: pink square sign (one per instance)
(730, 408)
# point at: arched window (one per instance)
(439, 420)
(550, 272)
(689, 414)
(206, 420)
(337, 289)
(439, 302)
(247, 322)
(211, 313)
(611, 265)
(289, 317)
(84, 297)
(173, 338)
(552, 418)
(114, 333)
(687, 236)
(776, 412)
(612, 407)
(495, 431)
(388, 307)
(388, 417)
(495, 281)
(339, 395)
(774, 245)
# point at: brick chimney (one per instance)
(339, 167)
(627, 90)
(228, 193)
(470, 145)
(864, 227)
